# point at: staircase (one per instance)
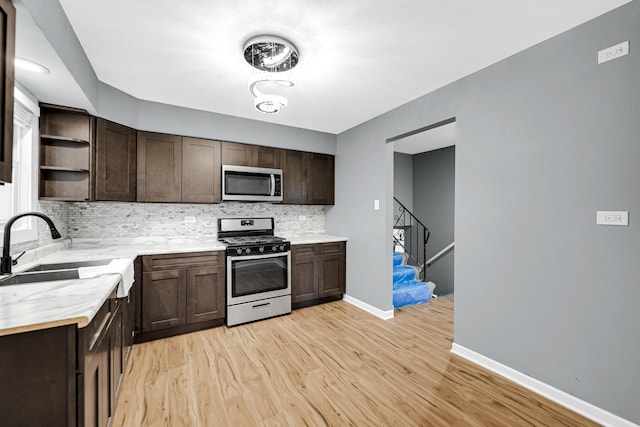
(410, 236)
(407, 289)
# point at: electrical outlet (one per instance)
(613, 52)
(612, 218)
(189, 219)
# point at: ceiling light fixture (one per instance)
(28, 65)
(275, 57)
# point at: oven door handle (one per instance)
(261, 256)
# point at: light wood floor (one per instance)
(332, 364)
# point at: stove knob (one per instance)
(274, 248)
(239, 251)
(261, 249)
(282, 247)
(247, 251)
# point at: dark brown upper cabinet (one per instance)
(115, 162)
(295, 165)
(66, 153)
(321, 179)
(7, 54)
(159, 167)
(200, 170)
(308, 178)
(250, 155)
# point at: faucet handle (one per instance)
(15, 261)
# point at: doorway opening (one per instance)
(424, 187)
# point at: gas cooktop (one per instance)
(252, 240)
(250, 236)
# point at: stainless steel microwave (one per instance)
(251, 184)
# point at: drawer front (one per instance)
(182, 260)
(299, 250)
(330, 248)
(92, 334)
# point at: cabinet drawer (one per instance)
(92, 334)
(302, 250)
(175, 261)
(330, 248)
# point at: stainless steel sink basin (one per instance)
(69, 265)
(43, 276)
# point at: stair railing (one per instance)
(416, 235)
(439, 255)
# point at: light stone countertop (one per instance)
(34, 306)
(311, 238)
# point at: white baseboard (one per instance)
(560, 397)
(384, 315)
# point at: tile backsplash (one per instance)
(122, 219)
(119, 219)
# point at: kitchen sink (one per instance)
(42, 276)
(69, 265)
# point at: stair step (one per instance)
(410, 293)
(403, 273)
(398, 258)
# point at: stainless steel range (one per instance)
(258, 269)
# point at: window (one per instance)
(20, 195)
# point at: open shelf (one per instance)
(65, 153)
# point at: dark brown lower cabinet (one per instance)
(100, 365)
(94, 384)
(181, 293)
(164, 296)
(38, 378)
(66, 376)
(205, 294)
(317, 273)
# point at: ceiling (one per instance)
(428, 140)
(358, 59)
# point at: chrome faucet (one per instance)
(6, 263)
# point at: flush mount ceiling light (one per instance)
(274, 57)
(270, 53)
(28, 65)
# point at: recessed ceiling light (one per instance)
(28, 65)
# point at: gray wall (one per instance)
(545, 138)
(403, 179)
(433, 202)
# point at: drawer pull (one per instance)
(266, 304)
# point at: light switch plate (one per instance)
(612, 218)
(376, 205)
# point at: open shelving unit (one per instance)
(66, 155)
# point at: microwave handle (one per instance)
(273, 185)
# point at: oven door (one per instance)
(256, 277)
